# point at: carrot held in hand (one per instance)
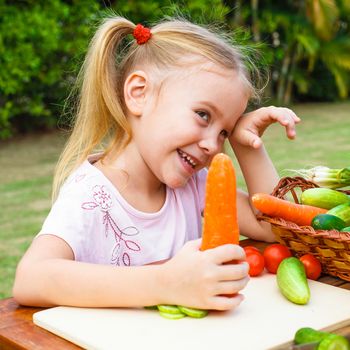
(300, 214)
(220, 213)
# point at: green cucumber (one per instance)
(171, 316)
(170, 309)
(292, 281)
(309, 335)
(325, 340)
(327, 222)
(342, 211)
(345, 229)
(151, 307)
(323, 197)
(196, 313)
(334, 342)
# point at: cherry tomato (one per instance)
(312, 265)
(274, 254)
(250, 248)
(256, 263)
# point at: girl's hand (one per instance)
(251, 126)
(200, 279)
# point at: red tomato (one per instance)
(250, 248)
(312, 265)
(256, 263)
(274, 254)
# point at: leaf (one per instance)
(126, 259)
(130, 231)
(116, 252)
(89, 205)
(132, 246)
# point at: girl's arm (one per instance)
(257, 168)
(47, 276)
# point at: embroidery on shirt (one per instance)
(120, 254)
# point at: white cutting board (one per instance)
(265, 319)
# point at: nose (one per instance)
(211, 145)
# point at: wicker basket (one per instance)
(331, 247)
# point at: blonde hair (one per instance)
(111, 56)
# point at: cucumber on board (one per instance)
(327, 222)
(325, 340)
(292, 281)
(323, 197)
(342, 211)
(308, 335)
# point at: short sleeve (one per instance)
(68, 220)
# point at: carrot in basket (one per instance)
(300, 214)
(220, 212)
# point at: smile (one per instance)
(187, 158)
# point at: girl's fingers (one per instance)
(226, 253)
(286, 118)
(231, 287)
(231, 272)
(223, 303)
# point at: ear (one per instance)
(135, 92)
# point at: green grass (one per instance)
(27, 163)
(26, 168)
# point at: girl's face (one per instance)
(186, 124)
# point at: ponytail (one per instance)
(100, 113)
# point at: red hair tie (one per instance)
(141, 34)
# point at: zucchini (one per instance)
(324, 340)
(334, 342)
(308, 335)
(342, 211)
(327, 222)
(323, 197)
(292, 281)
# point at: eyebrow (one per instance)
(213, 107)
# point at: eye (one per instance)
(204, 115)
(224, 133)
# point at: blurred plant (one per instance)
(40, 43)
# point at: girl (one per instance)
(124, 230)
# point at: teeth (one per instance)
(187, 158)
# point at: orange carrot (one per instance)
(220, 213)
(300, 214)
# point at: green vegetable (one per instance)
(326, 177)
(175, 312)
(171, 316)
(325, 340)
(308, 335)
(292, 281)
(334, 342)
(327, 222)
(170, 309)
(323, 197)
(345, 229)
(152, 307)
(196, 313)
(342, 211)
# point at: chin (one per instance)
(176, 183)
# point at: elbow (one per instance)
(19, 290)
(21, 286)
(25, 290)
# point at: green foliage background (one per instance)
(42, 44)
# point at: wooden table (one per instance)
(17, 330)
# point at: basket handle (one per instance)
(289, 184)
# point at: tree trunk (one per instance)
(282, 81)
(290, 79)
(255, 20)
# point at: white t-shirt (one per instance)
(102, 227)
